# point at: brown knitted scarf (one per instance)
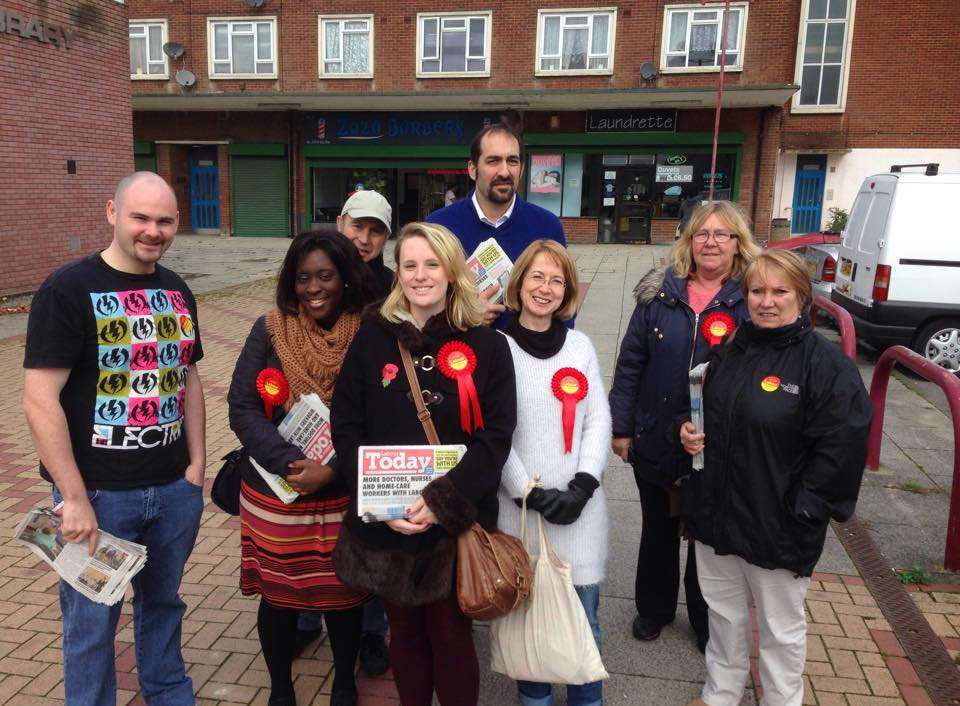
(311, 356)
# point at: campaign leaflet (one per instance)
(103, 577)
(491, 266)
(697, 376)
(389, 478)
(306, 426)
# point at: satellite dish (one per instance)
(186, 78)
(173, 49)
(648, 71)
(255, 3)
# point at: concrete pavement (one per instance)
(853, 657)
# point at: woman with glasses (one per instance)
(563, 428)
(682, 311)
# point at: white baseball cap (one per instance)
(368, 204)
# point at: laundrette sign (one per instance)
(34, 28)
(632, 121)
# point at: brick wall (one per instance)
(53, 111)
(580, 230)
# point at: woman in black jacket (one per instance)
(286, 548)
(409, 562)
(786, 422)
(681, 313)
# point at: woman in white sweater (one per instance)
(562, 435)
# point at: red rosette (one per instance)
(273, 388)
(569, 386)
(457, 361)
(716, 326)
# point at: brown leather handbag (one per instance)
(493, 569)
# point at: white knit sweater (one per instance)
(538, 449)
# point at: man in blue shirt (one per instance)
(494, 210)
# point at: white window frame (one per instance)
(486, 15)
(162, 23)
(564, 13)
(272, 20)
(668, 12)
(322, 44)
(841, 106)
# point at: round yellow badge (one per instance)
(458, 361)
(569, 385)
(770, 383)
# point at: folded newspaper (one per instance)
(306, 426)
(697, 376)
(491, 266)
(389, 478)
(103, 577)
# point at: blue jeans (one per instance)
(165, 518)
(537, 694)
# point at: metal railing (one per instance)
(848, 333)
(950, 385)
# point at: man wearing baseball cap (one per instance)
(365, 219)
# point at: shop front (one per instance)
(416, 160)
(630, 172)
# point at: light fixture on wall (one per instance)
(554, 121)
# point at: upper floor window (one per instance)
(242, 47)
(147, 60)
(346, 46)
(691, 37)
(453, 45)
(575, 41)
(823, 63)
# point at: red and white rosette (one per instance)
(569, 386)
(717, 325)
(457, 361)
(273, 388)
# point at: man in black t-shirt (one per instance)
(115, 407)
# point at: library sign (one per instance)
(33, 28)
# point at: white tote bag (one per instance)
(547, 639)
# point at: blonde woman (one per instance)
(682, 312)
(433, 310)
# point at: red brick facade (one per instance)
(53, 113)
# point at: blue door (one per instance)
(808, 194)
(204, 193)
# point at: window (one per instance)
(823, 65)
(575, 42)
(147, 60)
(453, 45)
(346, 47)
(242, 47)
(691, 38)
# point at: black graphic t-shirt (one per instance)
(128, 340)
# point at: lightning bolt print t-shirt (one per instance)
(128, 341)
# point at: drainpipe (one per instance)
(756, 167)
(716, 117)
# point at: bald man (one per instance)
(115, 407)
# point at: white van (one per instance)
(899, 267)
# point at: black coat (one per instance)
(382, 281)
(650, 383)
(417, 569)
(786, 419)
(257, 434)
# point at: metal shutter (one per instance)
(260, 199)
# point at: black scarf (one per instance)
(539, 344)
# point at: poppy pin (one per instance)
(388, 374)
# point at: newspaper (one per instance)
(491, 266)
(389, 478)
(103, 577)
(697, 376)
(306, 426)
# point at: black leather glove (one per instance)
(562, 507)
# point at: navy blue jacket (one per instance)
(650, 385)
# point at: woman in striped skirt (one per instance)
(287, 549)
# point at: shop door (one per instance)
(260, 197)
(204, 190)
(634, 204)
(808, 193)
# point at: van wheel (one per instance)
(939, 342)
